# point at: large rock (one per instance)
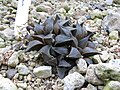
(91, 76)
(13, 60)
(112, 22)
(72, 81)
(43, 71)
(82, 65)
(112, 85)
(23, 69)
(106, 71)
(6, 84)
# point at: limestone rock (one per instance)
(91, 75)
(72, 81)
(106, 71)
(115, 62)
(112, 85)
(43, 71)
(111, 22)
(6, 84)
(82, 65)
(13, 60)
(22, 69)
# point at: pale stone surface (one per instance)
(112, 85)
(115, 62)
(82, 65)
(91, 75)
(22, 69)
(72, 81)
(13, 60)
(106, 71)
(6, 84)
(105, 56)
(43, 71)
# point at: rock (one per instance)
(112, 85)
(11, 73)
(111, 22)
(96, 14)
(106, 71)
(72, 81)
(105, 56)
(114, 35)
(91, 75)
(74, 69)
(13, 60)
(116, 1)
(6, 84)
(43, 71)
(22, 69)
(91, 87)
(96, 59)
(82, 65)
(9, 33)
(109, 2)
(22, 85)
(2, 44)
(115, 62)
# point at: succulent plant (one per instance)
(60, 43)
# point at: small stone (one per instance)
(105, 56)
(114, 35)
(115, 62)
(13, 60)
(2, 44)
(6, 84)
(91, 87)
(22, 69)
(20, 89)
(82, 65)
(112, 85)
(96, 59)
(11, 73)
(22, 85)
(72, 81)
(107, 71)
(29, 77)
(91, 75)
(43, 71)
(100, 87)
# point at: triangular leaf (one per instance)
(74, 53)
(34, 45)
(48, 25)
(63, 63)
(38, 29)
(83, 42)
(87, 51)
(61, 50)
(61, 72)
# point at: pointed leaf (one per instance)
(49, 39)
(87, 51)
(74, 53)
(48, 58)
(34, 45)
(38, 29)
(60, 39)
(64, 23)
(91, 45)
(48, 25)
(38, 37)
(61, 50)
(61, 72)
(83, 42)
(80, 31)
(63, 63)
